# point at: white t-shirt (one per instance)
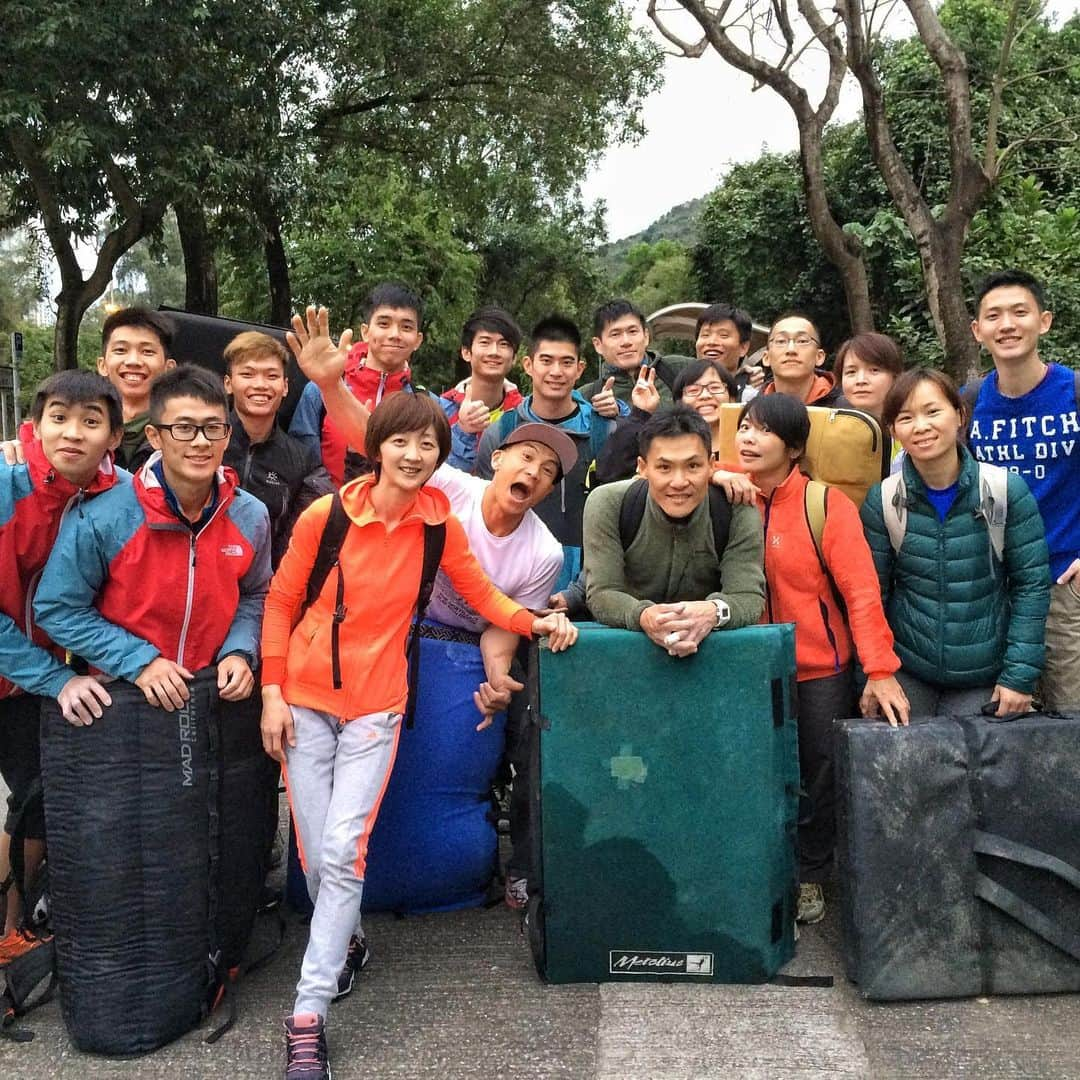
(525, 565)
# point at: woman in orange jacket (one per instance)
(336, 737)
(832, 597)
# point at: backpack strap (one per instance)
(326, 558)
(994, 504)
(632, 511)
(816, 508)
(894, 508)
(333, 536)
(720, 516)
(665, 373)
(969, 395)
(814, 499)
(434, 544)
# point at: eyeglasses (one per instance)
(215, 431)
(696, 390)
(782, 341)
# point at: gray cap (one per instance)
(546, 435)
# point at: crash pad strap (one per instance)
(1036, 921)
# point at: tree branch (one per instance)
(991, 162)
(690, 51)
(48, 202)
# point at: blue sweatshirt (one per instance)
(1038, 436)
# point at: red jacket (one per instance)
(33, 500)
(128, 581)
(797, 590)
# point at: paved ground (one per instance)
(455, 996)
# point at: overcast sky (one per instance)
(704, 119)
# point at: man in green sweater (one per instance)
(660, 570)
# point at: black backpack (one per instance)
(633, 510)
(327, 558)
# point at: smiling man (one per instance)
(489, 345)
(136, 344)
(795, 357)
(282, 473)
(689, 562)
(182, 526)
(377, 365)
(1024, 415)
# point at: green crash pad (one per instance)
(668, 800)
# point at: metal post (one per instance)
(16, 363)
(3, 414)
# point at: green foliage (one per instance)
(680, 223)
(656, 275)
(756, 246)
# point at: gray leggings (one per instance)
(928, 700)
(336, 776)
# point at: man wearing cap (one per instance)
(511, 543)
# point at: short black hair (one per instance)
(189, 380)
(612, 310)
(693, 371)
(495, 321)
(392, 294)
(155, 321)
(671, 423)
(78, 387)
(794, 314)
(717, 313)
(555, 328)
(1000, 278)
(781, 414)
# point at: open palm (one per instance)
(320, 359)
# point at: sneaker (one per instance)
(305, 1048)
(516, 893)
(811, 907)
(19, 942)
(355, 961)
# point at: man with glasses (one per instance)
(795, 357)
(166, 573)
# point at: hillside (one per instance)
(679, 224)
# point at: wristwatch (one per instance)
(723, 613)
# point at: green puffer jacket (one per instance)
(960, 617)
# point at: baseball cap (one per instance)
(546, 435)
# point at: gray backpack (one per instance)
(993, 506)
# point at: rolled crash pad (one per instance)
(156, 860)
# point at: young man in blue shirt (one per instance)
(1024, 416)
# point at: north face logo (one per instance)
(232, 549)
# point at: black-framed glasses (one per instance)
(215, 431)
(696, 390)
(782, 341)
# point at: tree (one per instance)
(979, 104)
(738, 42)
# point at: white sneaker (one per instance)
(516, 893)
(811, 907)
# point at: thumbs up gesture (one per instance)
(473, 415)
(604, 402)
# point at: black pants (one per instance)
(821, 701)
(20, 762)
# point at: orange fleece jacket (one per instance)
(382, 579)
(823, 384)
(797, 590)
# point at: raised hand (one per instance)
(645, 396)
(319, 358)
(473, 415)
(604, 402)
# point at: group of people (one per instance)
(955, 586)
